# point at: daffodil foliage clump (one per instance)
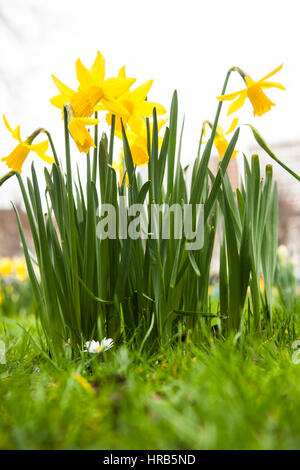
(148, 290)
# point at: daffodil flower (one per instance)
(93, 89)
(138, 141)
(83, 382)
(220, 141)
(261, 283)
(20, 269)
(95, 347)
(136, 105)
(254, 91)
(16, 158)
(119, 167)
(6, 266)
(80, 134)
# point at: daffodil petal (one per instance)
(115, 107)
(64, 89)
(88, 121)
(230, 96)
(232, 126)
(136, 123)
(115, 87)
(58, 101)
(83, 76)
(40, 147)
(44, 157)
(100, 107)
(146, 108)
(272, 85)
(238, 103)
(271, 73)
(221, 144)
(97, 70)
(122, 72)
(7, 125)
(17, 134)
(161, 123)
(140, 93)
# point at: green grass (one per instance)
(227, 395)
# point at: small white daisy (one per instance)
(106, 343)
(95, 347)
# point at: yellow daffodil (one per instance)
(83, 382)
(6, 267)
(119, 166)
(93, 89)
(80, 134)
(220, 141)
(20, 269)
(138, 147)
(138, 141)
(254, 91)
(261, 283)
(16, 158)
(135, 104)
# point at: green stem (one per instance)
(52, 147)
(94, 171)
(214, 128)
(111, 140)
(7, 176)
(73, 247)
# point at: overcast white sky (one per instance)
(185, 45)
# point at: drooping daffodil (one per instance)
(78, 129)
(16, 158)
(260, 102)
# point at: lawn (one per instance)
(230, 394)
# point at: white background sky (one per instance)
(185, 45)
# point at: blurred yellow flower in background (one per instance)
(13, 268)
(83, 382)
(260, 102)
(261, 283)
(20, 269)
(6, 266)
(16, 158)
